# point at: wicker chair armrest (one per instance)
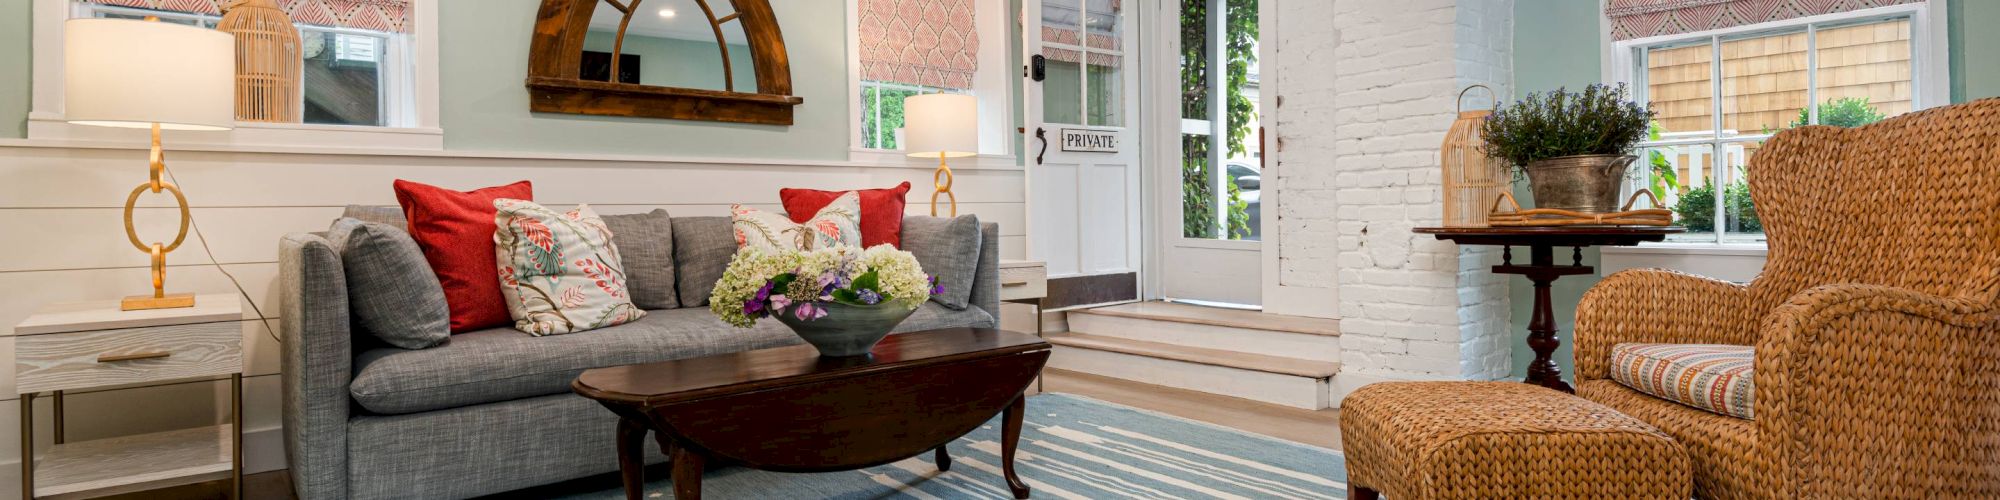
(1657, 305)
(1854, 377)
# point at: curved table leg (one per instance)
(632, 457)
(688, 465)
(943, 459)
(1010, 435)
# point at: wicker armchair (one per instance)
(1875, 323)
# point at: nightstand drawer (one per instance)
(1025, 282)
(78, 360)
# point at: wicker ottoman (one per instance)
(1429, 440)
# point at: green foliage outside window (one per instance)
(1843, 112)
(1240, 51)
(889, 100)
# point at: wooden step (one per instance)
(1213, 357)
(1218, 316)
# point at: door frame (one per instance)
(1160, 91)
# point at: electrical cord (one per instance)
(210, 251)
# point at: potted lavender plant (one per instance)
(1574, 147)
(842, 300)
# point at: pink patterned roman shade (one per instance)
(1645, 18)
(379, 15)
(930, 43)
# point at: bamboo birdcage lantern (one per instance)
(268, 63)
(1472, 180)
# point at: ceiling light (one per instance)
(666, 12)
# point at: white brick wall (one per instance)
(1368, 89)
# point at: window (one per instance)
(1720, 94)
(351, 75)
(914, 47)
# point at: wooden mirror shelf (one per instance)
(555, 61)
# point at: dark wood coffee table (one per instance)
(787, 409)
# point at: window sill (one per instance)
(1737, 262)
(895, 157)
(249, 136)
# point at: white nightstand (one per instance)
(88, 345)
(1025, 282)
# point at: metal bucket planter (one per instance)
(1582, 183)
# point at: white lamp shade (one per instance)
(124, 73)
(944, 125)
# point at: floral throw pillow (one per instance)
(559, 271)
(839, 224)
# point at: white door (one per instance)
(1083, 177)
(1209, 218)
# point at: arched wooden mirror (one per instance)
(679, 59)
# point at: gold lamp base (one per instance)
(160, 299)
(941, 180)
(163, 301)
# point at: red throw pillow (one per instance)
(881, 211)
(455, 231)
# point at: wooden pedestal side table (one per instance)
(93, 345)
(1543, 270)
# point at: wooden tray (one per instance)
(1549, 217)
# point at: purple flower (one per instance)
(936, 289)
(753, 308)
(779, 302)
(808, 312)
(870, 297)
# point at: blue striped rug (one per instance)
(1071, 447)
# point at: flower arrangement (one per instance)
(759, 283)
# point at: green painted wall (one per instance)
(1975, 52)
(679, 63)
(484, 106)
(1556, 45)
(14, 36)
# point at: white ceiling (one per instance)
(686, 24)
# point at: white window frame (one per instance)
(412, 125)
(991, 86)
(1930, 87)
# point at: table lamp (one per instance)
(157, 76)
(941, 126)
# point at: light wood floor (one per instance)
(1319, 428)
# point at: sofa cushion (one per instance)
(390, 288)
(455, 229)
(646, 245)
(948, 248)
(502, 363)
(838, 224)
(702, 249)
(559, 271)
(392, 216)
(1717, 378)
(881, 210)
(645, 241)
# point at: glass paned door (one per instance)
(1221, 163)
(1209, 188)
(1083, 189)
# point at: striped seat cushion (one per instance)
(1711, 377)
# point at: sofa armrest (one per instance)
(318, 362)
(986, 281)
(1657, 305)
(1902, 383)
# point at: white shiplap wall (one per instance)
(61, 240)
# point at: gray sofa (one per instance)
(491, 411)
